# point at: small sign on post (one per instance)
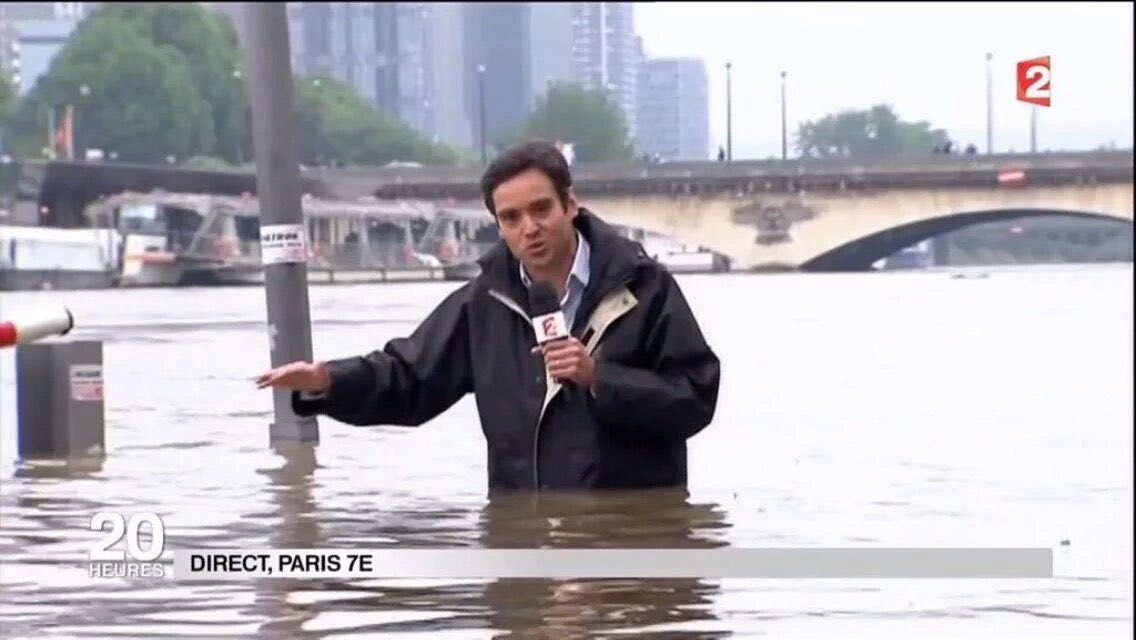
(282, 244)
(86, 383)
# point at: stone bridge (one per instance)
(802, 214)
(825, 216)
(848, 231)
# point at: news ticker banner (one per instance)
(463, 563)
(134, 546)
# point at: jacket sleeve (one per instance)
(410, 381)
(676, 395)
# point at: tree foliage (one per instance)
(208, 42)
(148, 81)
(8, 99)
(873, 132)
(8, 172)
(588, 119)
(336, 124)
(135, 85)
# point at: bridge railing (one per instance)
(907, 163)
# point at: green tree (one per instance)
(8, 99)
(130, 96)
(146, 81)
(336, 124)
(586, 118)
(874, 132)
(8, 171)
(208, 41)
(153, 80)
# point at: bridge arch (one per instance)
(860, 253)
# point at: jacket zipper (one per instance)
(510, 303)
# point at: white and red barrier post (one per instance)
(33, 327)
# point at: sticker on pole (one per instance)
(87, 383)
(283, 243)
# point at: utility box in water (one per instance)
(59, 400)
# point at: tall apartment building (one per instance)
(498, 74)
(420, 61)
(522, 48)
(415, 65)
(640, 59)
(605, 54)
(452, 124)
(33, 33)
(498, 68)
(406, 58)
(353, 42)
(551, 55)
(674, 112)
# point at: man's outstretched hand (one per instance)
(297, 376)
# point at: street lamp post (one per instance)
(481, 109)
(1033, 129)
(729, 117)
(989, 105)
(239, 79)
(784, 126)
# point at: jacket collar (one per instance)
(614, 260)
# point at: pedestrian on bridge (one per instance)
(611, 405)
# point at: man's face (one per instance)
(536, 227)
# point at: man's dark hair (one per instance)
(541, 155)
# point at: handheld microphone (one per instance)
(547, 318)
(33, 327)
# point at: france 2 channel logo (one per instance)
(1035, 81)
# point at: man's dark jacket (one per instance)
(657, 379)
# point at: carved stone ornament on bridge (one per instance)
(774, 217)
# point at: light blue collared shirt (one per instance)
(577, 280)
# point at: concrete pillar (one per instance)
(60, 400)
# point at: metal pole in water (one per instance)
(283, 241)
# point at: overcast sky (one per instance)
(926, 59)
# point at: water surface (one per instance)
(897, 409)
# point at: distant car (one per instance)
(399, 163)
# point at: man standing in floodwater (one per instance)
(612, 406)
